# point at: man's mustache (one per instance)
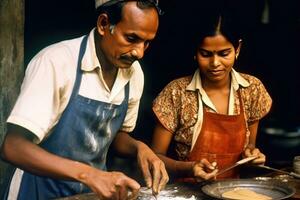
(128, 58)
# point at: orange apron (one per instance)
(221, 139)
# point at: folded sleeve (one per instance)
(259, 100)
(37, 107)
(166, 106)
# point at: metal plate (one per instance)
(274, 189)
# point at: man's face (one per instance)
(128, 40)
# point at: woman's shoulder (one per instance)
(256, 91)
(252, 80)
(180, 83)
(256, 98)
(256, 87)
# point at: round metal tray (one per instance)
(274, 189)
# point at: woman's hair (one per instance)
(220, 23)
(114, 10)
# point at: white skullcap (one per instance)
(98, 3)
(101, 2)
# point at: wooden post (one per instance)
(11, 65)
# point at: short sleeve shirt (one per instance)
(179, 106)
(49, 81)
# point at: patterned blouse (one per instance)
(180, 108)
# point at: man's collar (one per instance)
(90, 60)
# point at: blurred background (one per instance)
(270, 52)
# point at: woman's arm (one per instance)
(253, 133)
(160, 144)
(251, 149)
(199, 169)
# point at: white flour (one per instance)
(169, 194)
(177, 198)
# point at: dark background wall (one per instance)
(270, 52)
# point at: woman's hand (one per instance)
(204, 170)
(255, 152)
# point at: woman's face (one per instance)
(215, 58)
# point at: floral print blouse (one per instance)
(179, 106)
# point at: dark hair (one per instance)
(114, 8)
(220, 23)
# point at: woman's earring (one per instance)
(194, 57)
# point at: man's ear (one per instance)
(102, 23)
(238, 50)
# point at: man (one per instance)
(76, 97)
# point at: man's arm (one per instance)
(19, 150)
(152, 167)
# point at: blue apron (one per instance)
(83, 133)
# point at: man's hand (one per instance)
(110, 185)
(153, 169)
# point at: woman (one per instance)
(210, 118)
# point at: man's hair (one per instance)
(114, 11)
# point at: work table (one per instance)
(190, 191)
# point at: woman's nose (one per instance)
(215, 61)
